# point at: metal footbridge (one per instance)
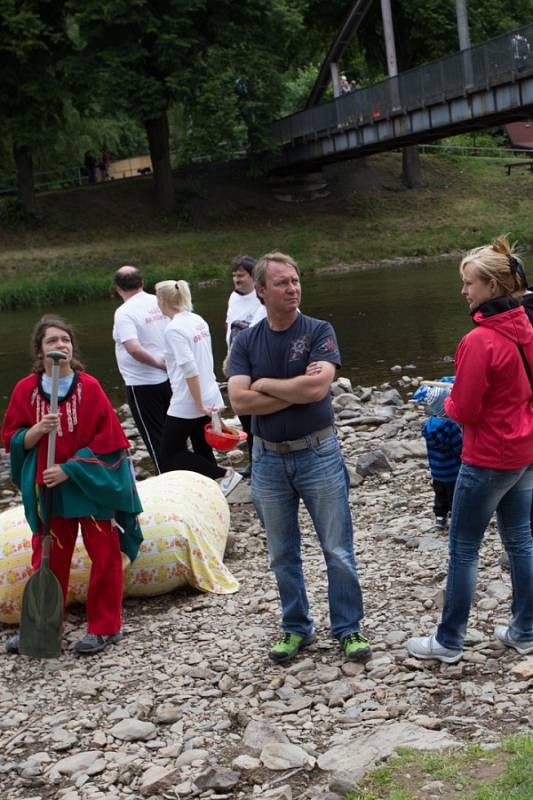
(484, 86)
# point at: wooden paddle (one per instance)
(41, 619)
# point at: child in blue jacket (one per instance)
(444, 442)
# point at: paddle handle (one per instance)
(50, 458)
(51, 454)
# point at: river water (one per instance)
(411, 314)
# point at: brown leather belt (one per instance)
(294, 445)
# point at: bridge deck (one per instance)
(487, 85)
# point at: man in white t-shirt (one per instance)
(138, 332)
(244, 309)
(243, 301)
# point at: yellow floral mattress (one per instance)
(185, 524)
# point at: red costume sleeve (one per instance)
(18, 414)
(87, 419)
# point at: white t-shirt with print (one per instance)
(187, 338)
(240, 307)
(139, 318)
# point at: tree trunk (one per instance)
(24, 163)
(158, 139)
(411, 171)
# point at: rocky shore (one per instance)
(188, 704)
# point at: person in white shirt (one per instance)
(243, 301)
(138, 331)
(244, 310)
(195, 392)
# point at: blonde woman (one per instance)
(492, 398)
(195, 392)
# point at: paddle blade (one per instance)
(41, 617)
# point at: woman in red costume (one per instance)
(92, 481)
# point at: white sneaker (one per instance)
(229, 483)
(426, 647)
(503, 635)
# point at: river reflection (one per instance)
(409, 314)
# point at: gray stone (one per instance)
(191, 755)
(157, 778)
(132, 730)
(77, 763)
(373, 463)
(219, 779)
(245, 763)
(277, 756)
(258, 733)
(364, 751)
(168, 713)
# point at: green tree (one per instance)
(33, 45)
(151, 56)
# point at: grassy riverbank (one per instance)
(477, 773)
(85, 234)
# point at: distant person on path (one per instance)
(492, 398)
(89, 162)
(243, 304)
(444, 442)
(195, 392)
(521, 50)
(92, 480)
(344, 85)
(138, 333)
(104, 164)
(281, 371)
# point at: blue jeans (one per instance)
(478, 493)
(317, 476)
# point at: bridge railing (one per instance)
(501, 60)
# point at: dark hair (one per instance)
(37, 336)
(243, 262)
(127, 281)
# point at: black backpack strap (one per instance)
(526, 365)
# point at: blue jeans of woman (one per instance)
(479, 492)
(316, 475)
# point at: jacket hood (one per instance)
(508, 317)
(527, 302)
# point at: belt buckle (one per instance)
(283, 448)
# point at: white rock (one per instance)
(132, 730)
(285, 756)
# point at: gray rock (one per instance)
(219, 779)
(157, 779)
(168, 713)
(364, 751)
(77, 763)
(191, 755)
(133, 730)
(373, 463)
(258, 733)
(277, 756)
(245, 763)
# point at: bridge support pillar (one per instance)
(411, 171)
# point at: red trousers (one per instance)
(104, 595)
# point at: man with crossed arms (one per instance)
(281, 371)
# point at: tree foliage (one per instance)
(33, 45)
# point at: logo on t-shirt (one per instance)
(299, 348)
(329, 346)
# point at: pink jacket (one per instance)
(492, 397)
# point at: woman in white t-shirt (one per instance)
(195, 392)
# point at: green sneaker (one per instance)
(355, 647)
(289, 645)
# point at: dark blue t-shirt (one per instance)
(263, 353)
